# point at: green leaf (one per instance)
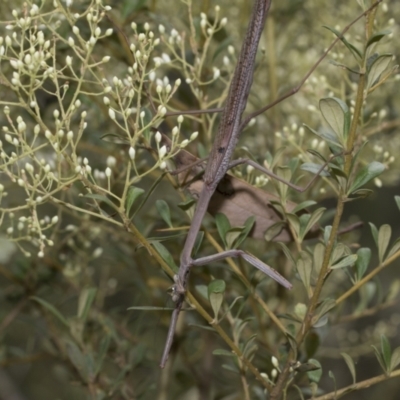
(148, 194)
(101, 198)
(294, 222)
(366, 174)
(323, 309)
(216, 286)
(103, 349)
(197, 243)
(231, 368)
(326, 135)
(384, 235)
(274, 230)
(83, 364)
(288, 253)
(85, 301)
(345, 262)
(248, 226)
(223, 226)
(397, 200)
(186, 205)
(314, 218)
(318, 257)
(395, 248)
(351, 47)
(337, 115)
(304, 269)
(52, 309)
(166, 255)
(300, 309)
(232, 235)
(314, 376)
(350, 363)
(133, 194)
(222, 352)
(303, 205)
(380, 359)
(163, 210)
(377, 68)
(314, 169)
(374, 232)
(312, 343)
(150, 308)
(386, 351)
(395, 361)
(377, 37)
(363, 259)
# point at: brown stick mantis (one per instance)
(219, 161)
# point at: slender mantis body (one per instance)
(219, 160)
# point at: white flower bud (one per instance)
(111, 113)
(111, 161)
(162, 152)
(54, 220)
(193, 136)
(132, 153)
(158, 137)
(108, 172)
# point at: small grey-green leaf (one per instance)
(52, 309)
(223, 226)
(222, 352)
(350, 363)
(248, 225)
(294, 222)
(395, 248)
(386, 351)
(345, 262)
(395, 361)
(366, 174)
(304, 269)
(274, 230)
(324, 308)
(216, 300)
(78, 360)
(364, 257)
(85, 301)
(314, 169)
(397, 200)
(380, 359)
(315, 375)
(384, 235)
(165, 254)
(163, 210)
(337, 115)
(100, 197)
(103, 348)
(377, 68)
(133, 193)
(314, 218)
(374, 232)
(303, 205)
(377, 37)
(326, 135)
(353, 49)
(216, 286)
